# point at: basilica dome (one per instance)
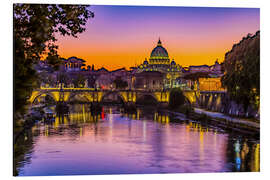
(159, 55)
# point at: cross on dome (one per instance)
(159, 42)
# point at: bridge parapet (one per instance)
(96, 95)
(213, 92)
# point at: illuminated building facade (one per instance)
(73, 64)
(210, 84)
(159, 61)
(208, 78)
(151, 80)
(215, 69)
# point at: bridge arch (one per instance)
(124, 96)
(114, 95)
(37, 94)
(147, 98)
(191, 96)
(80, 97)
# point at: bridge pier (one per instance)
(130, 107)
(211, 100)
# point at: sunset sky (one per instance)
(122, 36)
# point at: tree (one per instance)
(242, 71)
(35, 27)
(176, 98)
(54, 61)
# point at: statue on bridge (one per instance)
(86, 83)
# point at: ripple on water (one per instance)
(119, 144)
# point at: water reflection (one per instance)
(146, 141)
(246, 156)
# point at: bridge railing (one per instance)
(57, 88)
(98, 89)
(134, 89)
(209, 92)
(127, 90)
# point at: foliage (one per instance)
(186, 109)
(242, 71)
(54, 61)
(25, 77)
(203, 118)
(119, 83)
(176, 99)
(35, 28)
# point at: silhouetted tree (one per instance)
(242, 71)
(54, 61)
(176, 98)
(35, 27)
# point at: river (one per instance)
(147, 141)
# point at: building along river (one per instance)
(147, 141)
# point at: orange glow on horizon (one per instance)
(124, 36)
(125, 56)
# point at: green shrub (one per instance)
(185, 109)
(203, 117)
(176, 99)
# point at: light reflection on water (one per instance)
(144, 142)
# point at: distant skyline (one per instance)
(122, 36)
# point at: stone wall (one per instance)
(221, 102)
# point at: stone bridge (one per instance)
(92, 95)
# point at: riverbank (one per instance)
(220, 120)
(249, 122)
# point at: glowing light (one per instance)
(102, 114)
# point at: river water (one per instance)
(147, 141)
